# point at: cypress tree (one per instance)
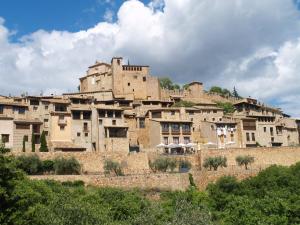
(32, 142)
(24, 143)
(43, 147)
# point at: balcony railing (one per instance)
(62, 122)
(175, 131)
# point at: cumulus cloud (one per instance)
(252, 45)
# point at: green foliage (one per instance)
(271, 198)
(32, 142)
(183, 103)
(226, 106)
(220, 91)
(24, 144)
(167, 83)
(48, 166)
(191, 180)
(215, 162)
(244, 160)
(160, 164)
(235, 93)
(43, 146)
(31, 164)
(114, 167)
(66, 166)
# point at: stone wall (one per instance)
(262, 156)
(163, 181)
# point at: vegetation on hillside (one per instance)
(226, 106)
(224, 92)
(271, 198)
(167, 83)
(183, 103)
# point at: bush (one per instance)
(112, 166)
(48, 166)
(43, 146)
(76, 183)
(32, 164)
(244, 160)
(215, 162)
(162, 164)
(63, 166)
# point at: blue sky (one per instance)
(253, 45)
(27, 16)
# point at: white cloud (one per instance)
(250, 44)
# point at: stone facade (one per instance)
(122, 107)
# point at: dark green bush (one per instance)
(48, 166)
(66, 166)
(31, 164)
(76, 183)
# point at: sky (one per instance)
(45, 46)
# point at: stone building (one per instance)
(122, 107)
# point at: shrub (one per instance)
(244, 160)
(76, 183)
(184, 165)
(63, 166)
(48, 166)
(43, 147)
(24, 144)
(215, 162)
(32, 164)
(112, 166)
(191, 179)
(160, 164)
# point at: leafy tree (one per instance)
(43, 146)
(226, 106)
(184, 165)
(215, 162)
(167, 83)
(66, 166)
(32, 142)
(112, 166)
(218, 90)
(160, 164)
(244, 160)
(48, 166)
(31, 164)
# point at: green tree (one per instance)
(166, 83)
(24, 144)
(244, 160)
(32, 142)
(183, 103)
(215, 162)
(66, 166)
(43, 146)
(216, 89)
(235, 93)
(31, 164)
(226, 106)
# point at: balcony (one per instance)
(165, 131)
(175, 131)
(186, 131)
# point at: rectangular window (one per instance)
(186, 140)
(176, 140)
(265, 129)
(247, 136)
(25, 138)
(173, 113)
(23, 126)
(85, 127)
(5, 138)
(144, 79)
(186, 128)
(165, 127)
(76, 115)
(110, 114)
(46, 107)
(100, 122)
(142, 123)
(78, 134)
(271, 131)
(102, 113)
(1, 109)
(118, 114)
(60, 108)
(114, 122)
(86, 134)
(128, 84)
(87, 115)
(62, 128)
(253, 136)
(166, 140)
(175, 127)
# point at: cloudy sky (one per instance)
(252, 45)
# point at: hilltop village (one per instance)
(123, 108)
